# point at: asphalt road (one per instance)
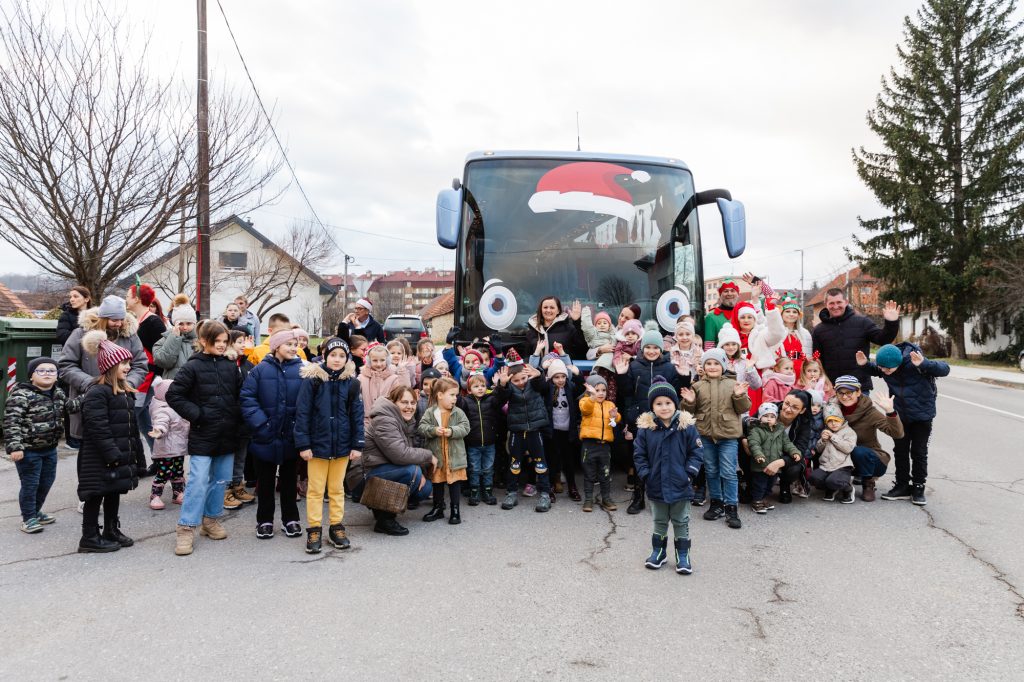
(813, 590)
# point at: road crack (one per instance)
(997, 573)
(606, 543)
(759, 632)
(1005, 486)
(777, 596)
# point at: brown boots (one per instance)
(868, 492)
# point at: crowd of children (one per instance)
(699, 422)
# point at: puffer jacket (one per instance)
(835, 452)
(867, 421)
(172, 351)
(527, 410)
(458, 422)
(563, 330)
(205, 393)
(389, 440)
(718, 409)
(66, 323)
(596, 421)
(573, 391)
(329, 413)
(636, 382)
(484, 416)
(269, 397)
(766, 337)
(375, 384)
(111, 447)
(173, 428)
(33, 418)
(913, 388)
(667, 458)
(769, 444)
(837, 340)
(78, 369)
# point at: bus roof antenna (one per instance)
(578, 131)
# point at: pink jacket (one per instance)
(776, 386)
(374, 384)
(173, 441)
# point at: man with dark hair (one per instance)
(842, 332)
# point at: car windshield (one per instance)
(594, 231)
(406, 324)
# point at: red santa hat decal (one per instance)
(586, 186)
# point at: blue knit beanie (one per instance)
(889, 356)
(661, 388)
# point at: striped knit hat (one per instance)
(107, 352)
(661, 388)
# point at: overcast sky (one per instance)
(379, 102)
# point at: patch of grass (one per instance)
(978, 363)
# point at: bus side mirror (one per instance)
(734, 226)
(449, 210)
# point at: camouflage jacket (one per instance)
(33, 419)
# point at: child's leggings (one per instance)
(720, 469)
(168, 469)
(521, 443)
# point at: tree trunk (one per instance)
(959, 349)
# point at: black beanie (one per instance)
(35, 362)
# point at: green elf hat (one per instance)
(790, 301)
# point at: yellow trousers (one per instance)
(329, 474)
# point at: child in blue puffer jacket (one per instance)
(328, 434)
(668, 454)
(910, 377)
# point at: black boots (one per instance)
(387, 524)
(436, 513)
(474, 497)
(94, 543)
(112, 532)
(732, 516)
(487, 496)
(455, 518)
(716, 510)
(637, 505)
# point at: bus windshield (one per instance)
(604, 233)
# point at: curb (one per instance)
(1001, 382)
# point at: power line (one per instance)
(357, 231)
(273, 131)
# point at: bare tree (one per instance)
(615, 291)
(274, 271)
(98, 156)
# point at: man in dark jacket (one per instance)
(361, 322)
(842, 332)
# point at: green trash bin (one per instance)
(20, 341)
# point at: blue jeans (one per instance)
(481, 465)
(720, 469)
(204, 491)
(37, 471)
(866, 463)
(409, 475)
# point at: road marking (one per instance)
(984, 407)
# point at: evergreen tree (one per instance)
(951, 120)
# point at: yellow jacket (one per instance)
(257, 353)
(597, 422)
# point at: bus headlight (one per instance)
(498, 306)
(672, 305)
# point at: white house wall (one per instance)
(908, 327)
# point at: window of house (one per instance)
(233, 260)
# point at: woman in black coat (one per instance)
(110, 446)
(551, 324)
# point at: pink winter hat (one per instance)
(282, 337)
(635, 326)
(602, 316)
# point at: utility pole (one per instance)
(203, 198)
(801, 280)
(344, 284)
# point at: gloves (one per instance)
(453, 334)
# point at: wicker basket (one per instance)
(384, 495)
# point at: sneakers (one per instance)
(847, 495)
(715, 511)
(292, 529)
(264, 531)
(916, 496)
(683, 565)
(511, 500)
(155, 502)
(230, 501)
(212, 529)
(732, 516)
(900, 491)
(529, 490)
(184, 537)
(487, 496)
(81, 507)
(658, 556)
(759, 507)
(588, 505)
(45, 519)
(314, 541)
(801, 488)
(608, 505)
(698, 497)
(867, 493)
(543, 503)
(557, 488)
(830, 495)
(242, 495)
(336, 536)
(785, 496)
(32, 526)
